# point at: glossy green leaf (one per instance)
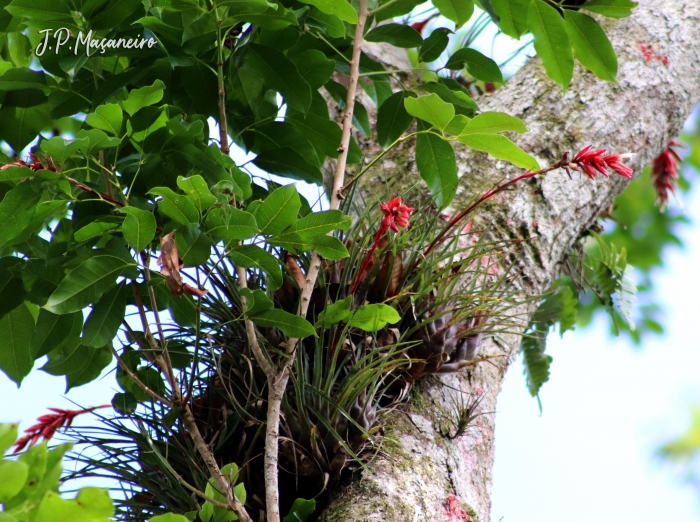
(78, 363)
(398, 35)
(493, 123)
(110, 14)
(389, 10)
(16, 173)
(280, 74)
(85, 284)
(12, 292)
(314, 67)
(457, 125)
(300, 511)
(279, 210)
(176, 206)
(257, 302)
(143, 97)
(320, 223)
(478, 65)
(107, 118)
(106, 317)
(330, 248)
(16, 211)
(459, 11)
(231, 223)
(324, 135)
(434, 45)
(392, 119)
(169, 517)
(8, 436)
(92, 504)
(437, 165)
(512, 16)
(198, 191)
(16, 329)
(456, 96)
(591, 45)
(96, 141)
(360, 116)
(94, 229)
(39, 10)
(291, 325)
(501, 148)
(20, 125)
(19, 78)
(61, 149)
(13, 475)
(53, 331)
(286, 162)
(340, 8)
(124, 403)
(611, 8)
(551, 42)
(139, 227)
(251, 256)
(374, 317)
(335, 313)
(193, 246)
(430, 108)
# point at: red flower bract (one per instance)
(593, 161)
(396, 214)
(664, 172)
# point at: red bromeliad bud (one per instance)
(664, 172)
(48, 424)
(396, 214)
(593, 161)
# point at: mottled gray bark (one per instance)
(640, 114)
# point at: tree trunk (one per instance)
(422, 475)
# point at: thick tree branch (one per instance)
(639, 114)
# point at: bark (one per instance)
(419, 468)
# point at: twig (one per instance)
(87, 189)
(138, 381)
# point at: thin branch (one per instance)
(250, 330)
(138, 381)
(87, 189)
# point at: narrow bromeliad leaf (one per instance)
(551, 42)
(591, 45)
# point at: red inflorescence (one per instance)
(34, 164)
(664, 172)
(48, 424)
(593, 161)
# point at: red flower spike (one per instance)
(48, 425)
(594, 161)
(664, 173)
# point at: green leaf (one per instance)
(279, 210)
(85, 284)
(286, 162)
(320, 223)
(8, 436)
(139, 227)
(13, 475)
(493, 123)
(314, 67)
(360, 116)
(12, 292)
(280, 74)
(591, 45)
(94, 229)
(324, 135)
(106, 317)
(78, 363)
(257, 302)
(16, 211)
(53, 331)
(16, 354)
(457, 125)
(111, 14)
(478, 65)
(176, 206)
(92, 504)
(124, 403)
(193, 246)
(143, 97)
(434, 45)
(535, 361)
(501, 148)
(291, 325)
(389, 10)
(437, 165)
(459, 11)
(335, 313)
(330, 248)
(457, 96)
(512, 16)
(251, 256)
(20, 125)
(392, 119)
(22, 78)
(40, 10)
(300, 511)
(610, 8)
(551, 42)
(198, 191)
(431, 108)
(60, 149)
(96, 141)
(374, 317)
(231, 223)
(340, 8)
(16, 173)
(398, 35)
(169, 517)
(107, 118)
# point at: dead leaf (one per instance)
(170, 265)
